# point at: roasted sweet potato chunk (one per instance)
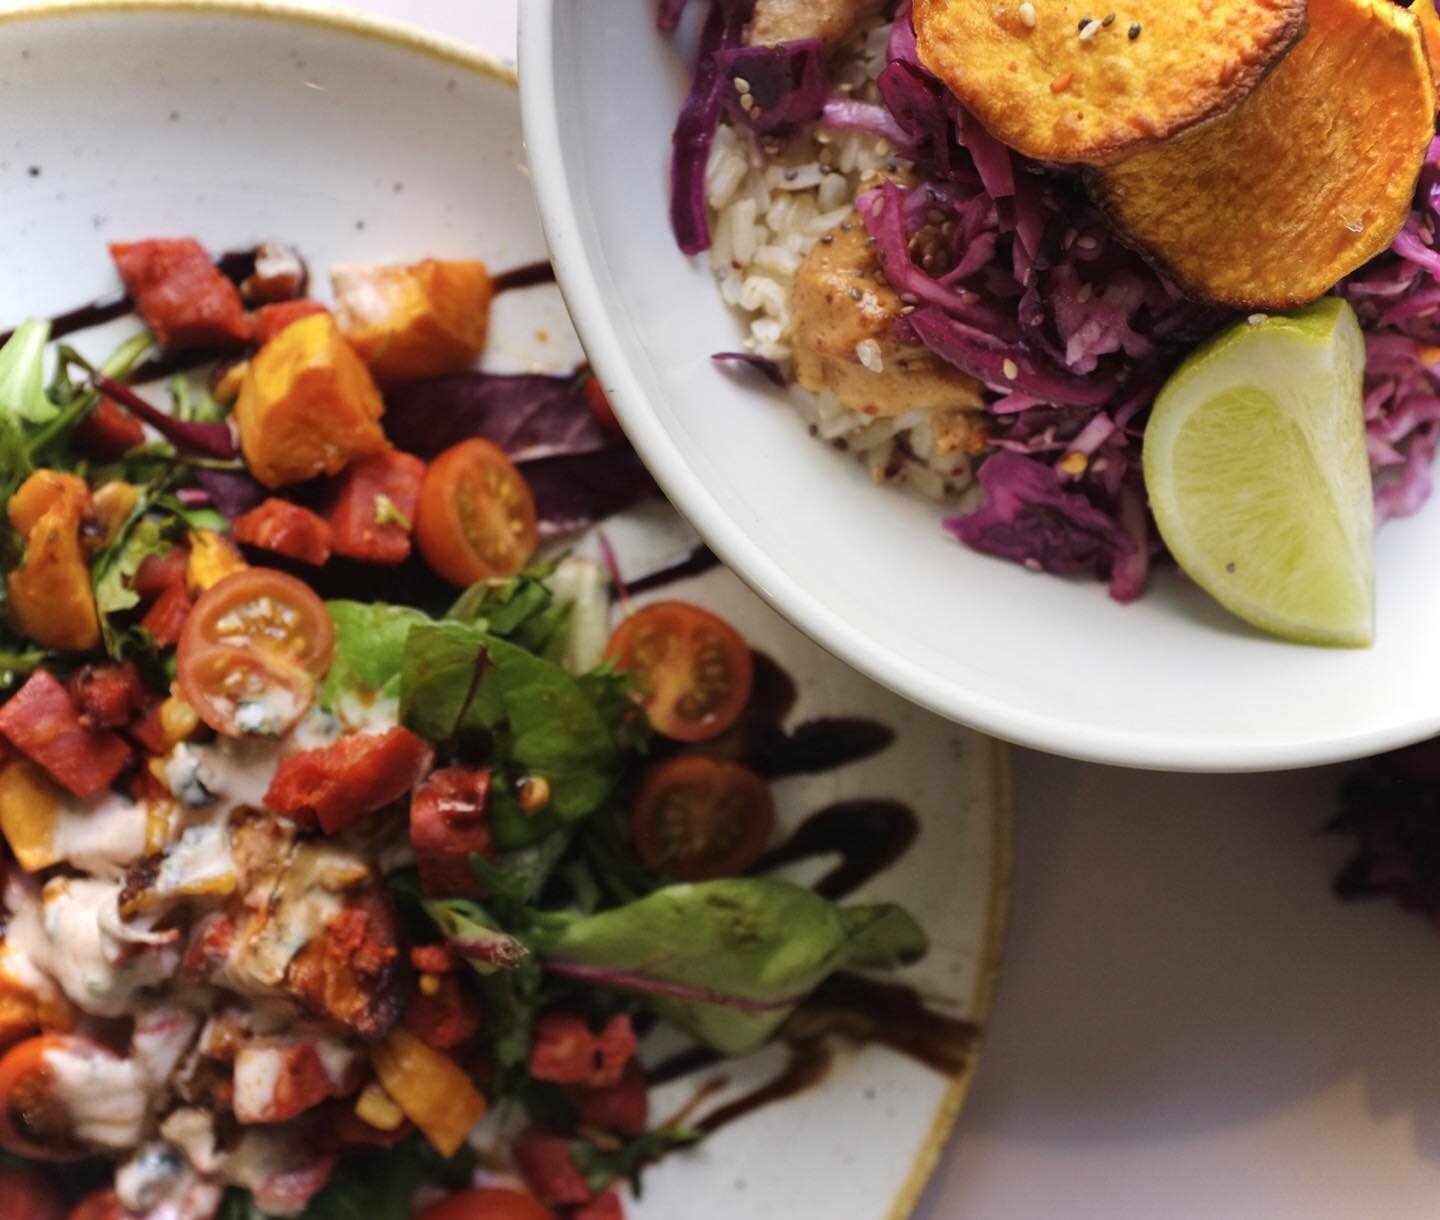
(1061, 89)
(415, 321)
(1269, 206)
(308, 405)
(51, 598)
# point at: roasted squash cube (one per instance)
(51, 598)
(30, 804)
(308, 405)
(415, 321)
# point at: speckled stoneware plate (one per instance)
(362, 141)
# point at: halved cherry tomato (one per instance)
(487, 1204)
(252, 651)
(34, 1122)
(476, 516)
(693, 670)
(696, 818)
(26, 1195)
(103, 1204)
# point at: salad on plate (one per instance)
(349, 852)
(1119, 287)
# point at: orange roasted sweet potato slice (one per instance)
(1311, 177)
(1061, 80)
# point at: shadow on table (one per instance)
(1192, 950)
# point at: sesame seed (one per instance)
(747, 101)
(1109, 20)
(828, 240)
(1012, 370)
(1027, 15)
(1134, 31)
(1087, 34)
(741, 85)
(1258, 319)
(867, 351)
(1087, 243)
(1084, 21)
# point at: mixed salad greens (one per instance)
(326, 906)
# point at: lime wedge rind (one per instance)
(1256, 464)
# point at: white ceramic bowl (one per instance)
(1170, 683)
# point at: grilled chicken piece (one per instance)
(311, 924)
(844, 337)
(831, 21)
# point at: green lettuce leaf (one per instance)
(369, 649)
(22, 374)
(756, 945)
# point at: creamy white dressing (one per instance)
(102, 836)
(268, 712)
(148, 1176)
(26, 948)
(103, 1095)
(234, 771)
(158, 1182)
(163, 1034)
(192, 1130)
(98, 971)
(372, 714)
(258, 1069)
(199, 862)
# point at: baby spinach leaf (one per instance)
(555, 729)
(728, 960)
(369, 648)
(439, 678)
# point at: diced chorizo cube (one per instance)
(286, 529)
(339, 784)
(181, 295)
(373, 507)
(42, 721)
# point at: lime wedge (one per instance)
(1257, 471)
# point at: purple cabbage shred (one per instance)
(787, 85)
(766, 367)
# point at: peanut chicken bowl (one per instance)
(1025, 259)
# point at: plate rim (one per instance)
(998, 759)
(998, 715)
(385, 30)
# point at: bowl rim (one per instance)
(1009, 719)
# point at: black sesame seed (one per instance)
(1109, 20)
(1134, 31)
(1084, 21)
